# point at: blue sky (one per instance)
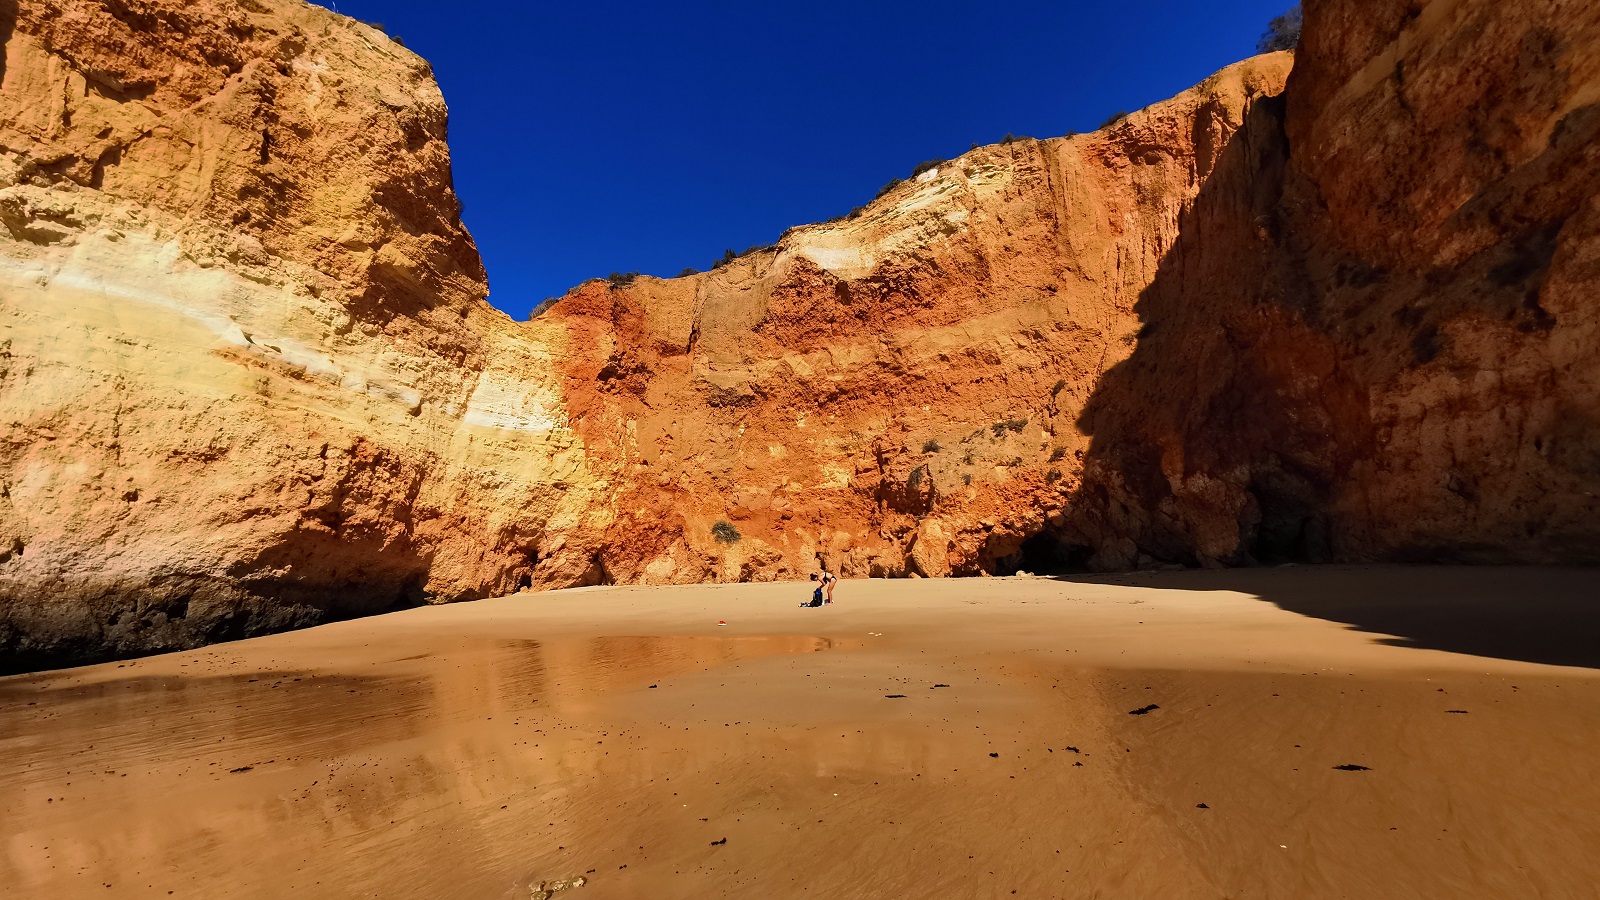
(593, 137)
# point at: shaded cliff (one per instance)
(249, 381)
(1375, 338)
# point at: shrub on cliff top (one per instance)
(392, 37)
(926, 166)
(893, 183)
(728, 256)
(542, 307)
(1114, 118)
(1283, 33)
(725, 532)
(621, 279)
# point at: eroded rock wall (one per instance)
(1376, 337)
(249, 381)
(896, 392)
(247, 375)
(1344, 320)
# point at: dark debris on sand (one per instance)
(1352, 767)
(1143, 709)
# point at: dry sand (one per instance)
(621, 734)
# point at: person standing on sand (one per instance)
(827, 580)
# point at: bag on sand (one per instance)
(816, 598)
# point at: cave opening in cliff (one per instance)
(1292, 527)
(1046, 553)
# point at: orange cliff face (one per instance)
(1343, 320)
(895, 392)
(250, 382)
(1375, 338)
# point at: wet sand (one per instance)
(954, 738)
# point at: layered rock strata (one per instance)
(896, 392)
(249, 380)
(247, 377)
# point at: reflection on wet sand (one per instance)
(968, 738)
(156, 719)
(157, 782)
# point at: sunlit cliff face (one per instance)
(251, 382)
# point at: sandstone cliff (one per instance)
(247, 375)
(249, 381)
(1376, 338)
(1341, 321)
(896, 392)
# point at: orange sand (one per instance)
(618, 733)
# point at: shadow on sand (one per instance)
(1538, 615)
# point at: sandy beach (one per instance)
(1302, 732)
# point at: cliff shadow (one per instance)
(1241, 428)
(59, 624)
(1548, 616)
(1224, 437)
(1213, 441)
